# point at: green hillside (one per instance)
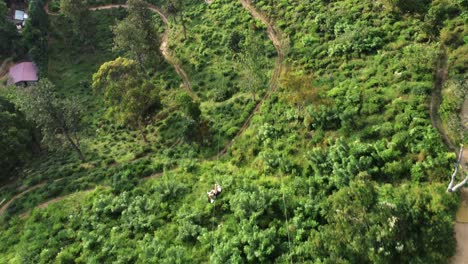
(331, 126)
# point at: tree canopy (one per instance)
(136, 37)
(131, 99)
(15, 138)
(58, 118)
(9, 37)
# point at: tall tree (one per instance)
(81, 21)
(56, 117)
(9, 38)
(136, 36)
(15, 138)
(132, 100)
(35, 35)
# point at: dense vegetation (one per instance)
(340, 164)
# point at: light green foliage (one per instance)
(340, 165)
(131, 99)
(453, 95)
(250, 58)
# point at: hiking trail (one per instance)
(274, 35)
(164, 47)
(461, 228)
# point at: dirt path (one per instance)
(57, 199)
(461, 225)
(275, 37)
(440, 76)
(3, 209)
(167, 54)
(273, 34)
(461, 234)
(5, 206)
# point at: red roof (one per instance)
(23, 72)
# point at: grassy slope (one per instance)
(167, 219)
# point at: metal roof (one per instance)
(23, 72)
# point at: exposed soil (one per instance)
(275, 37)
(57, 199)
(461, 227)
(440, 76)
(461, 233)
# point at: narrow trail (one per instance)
(54, 200)
(440, 75)
(274, 35)
(164, 47)
(5, 206)
(461, 228)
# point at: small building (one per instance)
(19, 18)
(23, 74)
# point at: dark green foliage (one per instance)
(190, 107)
(235, 41)
(35, 35)
(53, 115)
(15, 138)
(136, 36)
(9, 38)
(82, 23)
(412, 6)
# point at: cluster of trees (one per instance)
(9, 37)
(35, 35)
(136, 37)
(82, 23)
(163, 222)
(37, 118)
(131, 84)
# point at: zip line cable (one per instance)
(286, 217)
(214, 203)
(285, 210)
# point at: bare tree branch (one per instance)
(450, 187)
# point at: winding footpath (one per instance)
(461, 229)
(274, 35)
(164, 47)
(461, 226)
(5, 206)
